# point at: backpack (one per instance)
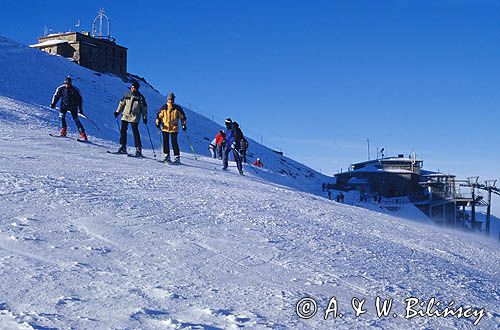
(243, 143)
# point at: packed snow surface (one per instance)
(90, 240)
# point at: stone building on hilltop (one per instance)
(95, 52)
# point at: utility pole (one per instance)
(473, 210)
(368, 141)
(490, 186)
(488, 213)
(473, 186)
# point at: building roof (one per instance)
(49, 43)
(389, 160)
(435, 174)
(83, 35)
(373, 168)
(52, 35)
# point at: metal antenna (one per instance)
(368, 141)
(97, 31)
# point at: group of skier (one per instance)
(133, 108)
(218, 144)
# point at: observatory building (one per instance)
(97, 52)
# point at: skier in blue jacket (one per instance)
(71, 101)
(233, 138)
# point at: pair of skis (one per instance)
(67, 137)
(142, 156)
(127, 154)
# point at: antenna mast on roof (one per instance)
(46, 31)
(368, 141)
(97, 26)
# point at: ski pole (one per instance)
(53, 109)
(191, 145)
(90, 120)
(246, 163)
(161, 140)
(79, 115)
(150, 140)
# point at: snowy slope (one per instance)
(31, 76)
(90, 240)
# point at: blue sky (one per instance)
(316, 78)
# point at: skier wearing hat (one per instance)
(71, 100)
(132, 106)
(233, 138)
(167, 120)
(258, 163)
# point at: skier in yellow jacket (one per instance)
(167, 120)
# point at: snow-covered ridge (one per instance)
(90, 240)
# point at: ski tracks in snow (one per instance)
(93, 241)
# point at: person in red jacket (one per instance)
(258, 163)
(220, 140)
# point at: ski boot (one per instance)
(63, 132)
(138, 152)
(122, 149)
(166, 159)
(83, 136)
(177, 160)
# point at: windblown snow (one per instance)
(90, 240)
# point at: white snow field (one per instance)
(90, 240)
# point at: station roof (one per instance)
(49, 43)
